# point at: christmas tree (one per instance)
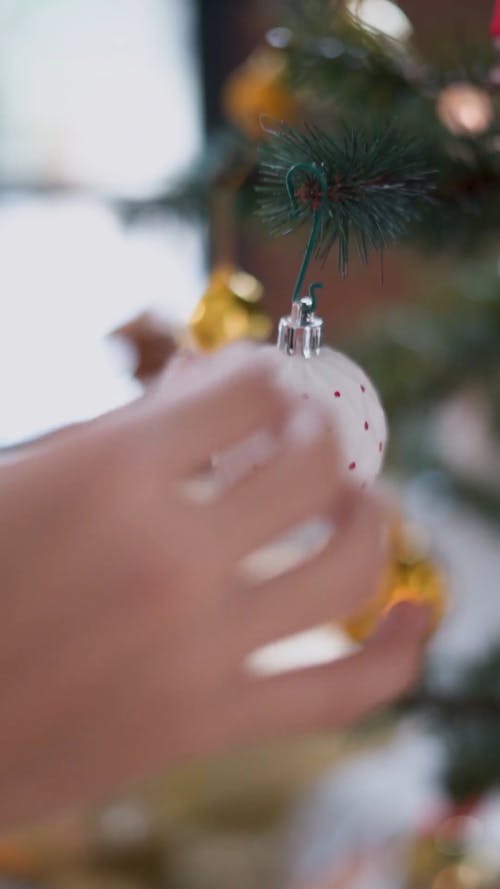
(355, 136)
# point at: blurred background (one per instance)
(129, 143)
(98, 101)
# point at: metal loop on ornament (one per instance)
(319, 174)
(312, 294)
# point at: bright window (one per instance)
(104, 95)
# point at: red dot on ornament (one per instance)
(366, 424)
(337, 394)
(304, 395)
(363, 389)
(352, 465)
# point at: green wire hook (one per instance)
(316, 171)
(312, 294)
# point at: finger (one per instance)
(215, 405)
(330, 586)
(404, 631)
(183, 360)
(68, 767)
(298, 483)
(338, 694)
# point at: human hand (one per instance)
(124, 616)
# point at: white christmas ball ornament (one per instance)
(316, 372)
(341, 386)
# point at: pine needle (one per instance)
(375, 186)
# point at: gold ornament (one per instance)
(257, 89)
(411, 577)
(229, 310)
(465, 109)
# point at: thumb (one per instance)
(404, 624)
(397, 646)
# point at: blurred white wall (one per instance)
(103, 94)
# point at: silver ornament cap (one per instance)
(300, 332)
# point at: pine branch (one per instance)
(344, 69)
(329, 54)
(472, 734)
(375, 184)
